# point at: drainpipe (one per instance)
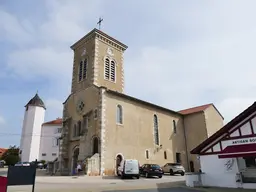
(186, 146)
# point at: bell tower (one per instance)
(98, 60)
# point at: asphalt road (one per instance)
(97, 184)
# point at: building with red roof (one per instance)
(228, 157)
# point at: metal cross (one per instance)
(99, 22)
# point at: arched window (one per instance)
(174, 126)
(80, 72)
(74, 131)
(119, 114)
(147, 154)
(165, 155)
(156, 131)
(79, 128)
(107, 69)
(85, 69)
(113, 71)
(95, 145)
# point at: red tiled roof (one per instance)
(225, 128)
(198, 109)
(57, 121)
(195, 109)
(2, 150)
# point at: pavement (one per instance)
(109, 184)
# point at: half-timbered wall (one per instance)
(244, 129)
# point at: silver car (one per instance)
(173, 168)
(22, 164)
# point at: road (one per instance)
(97, 184)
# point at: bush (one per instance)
(11, 156)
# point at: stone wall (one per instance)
(93, 165)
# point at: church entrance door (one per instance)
(119, 159)
(75, 158)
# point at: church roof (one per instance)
(197, 109)
(194, 109)
(182, 112)
(100, 33)
(36, 101)
(141, 101)
(57, 121)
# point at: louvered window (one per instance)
(107, 69)
(80, 71)
(85, 69)
(156, 133)
(113, 71)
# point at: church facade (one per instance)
(102, 125)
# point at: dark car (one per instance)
(149, 170)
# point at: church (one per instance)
(103, 126)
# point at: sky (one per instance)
(180, 53)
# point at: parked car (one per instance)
(149, 170)
(40, 165)
(174, 168)
(129, 168)
(22, 164)
(2, 164)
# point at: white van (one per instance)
(129, 168)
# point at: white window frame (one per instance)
(85, 59)
(122, 114)
(159, 142)
(79, 71)
(55, 142)
(110, 60)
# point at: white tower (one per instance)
(31, 130)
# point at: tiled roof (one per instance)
(57, 121)
(195, 109)
(2, 150)
(36, 101)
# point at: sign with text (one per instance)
(244, 141)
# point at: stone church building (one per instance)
(102, 125)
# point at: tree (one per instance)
(11, 155)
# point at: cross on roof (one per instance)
(99, 22)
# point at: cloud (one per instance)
(40, 62)
(2, 120)
(183, 55)
(54, 108)
(231, 107)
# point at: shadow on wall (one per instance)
(178, 144)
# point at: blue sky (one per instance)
(194, 52)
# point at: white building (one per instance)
(38, 141)
(228, 157)
(49, 145)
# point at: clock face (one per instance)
(84, 52)
(80, 106)
(110, 51)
